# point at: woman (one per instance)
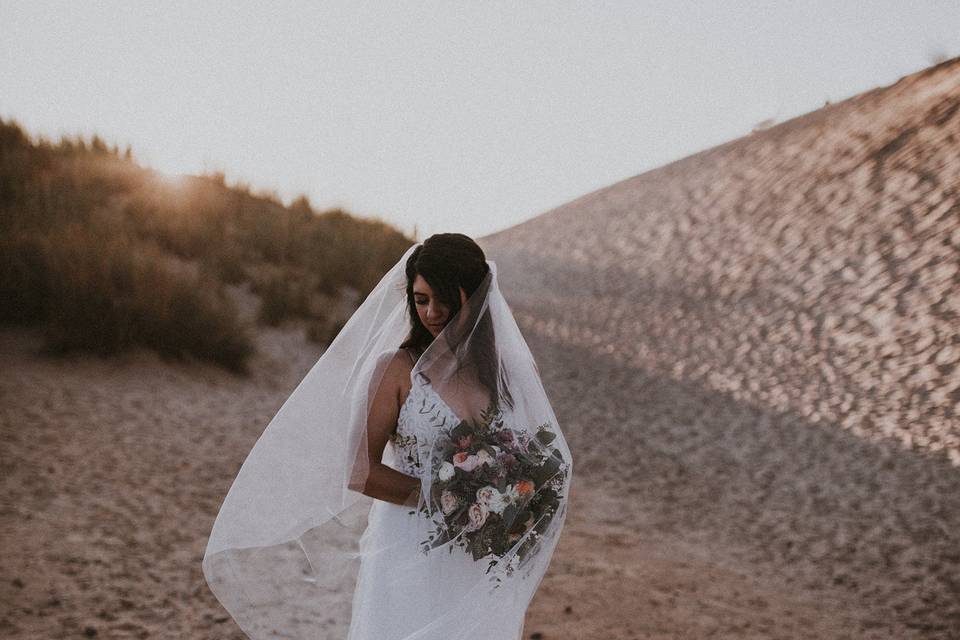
(414, 484)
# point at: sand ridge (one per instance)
(760, 344)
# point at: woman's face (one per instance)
(433, 313)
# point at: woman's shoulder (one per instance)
(409, 356)
(398, 355)
(396, 363)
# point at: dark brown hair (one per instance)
(448, 261)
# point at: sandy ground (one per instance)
(752, 354)
(114, 471)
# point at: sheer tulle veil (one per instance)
(284, 551)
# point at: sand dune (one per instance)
(768, 334)
(739, 346)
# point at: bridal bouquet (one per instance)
(492, 486)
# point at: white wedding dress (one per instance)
(298, 551)
(441, 589)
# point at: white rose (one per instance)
(486, 494)
(498, 502)
(446, 471)
(483, 457)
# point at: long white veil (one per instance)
(284, 552)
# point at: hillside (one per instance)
(759, 345)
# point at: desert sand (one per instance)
(114, 471)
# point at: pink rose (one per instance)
(478, 515)
(484, 457)
(448, 502)
(466, 461)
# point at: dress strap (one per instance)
(410, 353)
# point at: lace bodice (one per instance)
(421, 415)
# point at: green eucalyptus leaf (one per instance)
(546, 437)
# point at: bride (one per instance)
(414, 484)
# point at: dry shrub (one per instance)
(91, 241)
(24, 279)
(109, 293)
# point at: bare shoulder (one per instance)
(402, 363)
(394, 361)
(397, 372)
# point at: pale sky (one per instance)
(451, 116)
